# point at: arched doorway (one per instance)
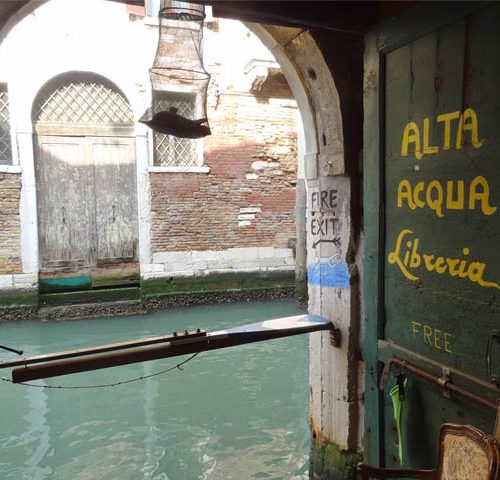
(86, 183)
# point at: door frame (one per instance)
(95, 276)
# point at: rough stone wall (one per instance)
(10, 231)
(248, 198)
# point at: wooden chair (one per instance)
(465, 453)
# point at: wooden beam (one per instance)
(142, 350)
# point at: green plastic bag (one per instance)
(397, 394)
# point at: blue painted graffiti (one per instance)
(329, 274)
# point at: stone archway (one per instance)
(329, 174)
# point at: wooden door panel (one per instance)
(442, 193)
(87, 207)
(432, 192)
(65, 204)
(115, 199)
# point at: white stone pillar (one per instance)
(28, 205)
(143, 200)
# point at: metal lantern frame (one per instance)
(178, 69)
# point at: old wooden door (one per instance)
(432, 197)
(86, 187)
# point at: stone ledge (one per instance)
(205, 298)
(6, 281)
(258, 258)
(64, 313)
(221, 281)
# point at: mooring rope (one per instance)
(103, 385)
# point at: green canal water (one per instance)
(237, 413)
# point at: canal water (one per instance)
(237, 413)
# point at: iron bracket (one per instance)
(335, 337)
(444, 380)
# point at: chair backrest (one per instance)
(466, 453)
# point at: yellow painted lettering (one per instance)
(480, 190)
(475, 274)
(434, 196)
(407, 254)
(440, 265)
(475, 271)
(407, 257)
(415, 328)
(484, 283)
(447, 118)
(462, 273)
(447, 347)
(452, 263)
(437, 338)
(411, 134)
(458, 203)
(434, 337)
(394, 257)
(427, 334)
(428, 262)
(435, 202)
(415, 259)
(419, 188)
(468, 123)
(427, 149)
(404, 192)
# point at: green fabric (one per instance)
(398, 400)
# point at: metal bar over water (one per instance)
(142, 350)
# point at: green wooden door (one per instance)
(434, 185)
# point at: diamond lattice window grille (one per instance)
(5, 140)
(84, 103)
(170, 151)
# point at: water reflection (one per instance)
(153, 450)
(39, 445)
(238, 413)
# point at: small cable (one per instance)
(123, 382)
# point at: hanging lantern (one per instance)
(178, 78)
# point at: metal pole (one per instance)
(444, 382)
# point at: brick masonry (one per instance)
(248, 198)
(10, 230)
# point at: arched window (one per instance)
(80, 100)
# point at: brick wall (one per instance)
(248, 198)
(10, 231)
